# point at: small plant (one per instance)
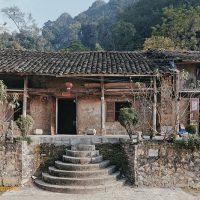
(25, 124)
(190, 129)
(128, 118)
(192, 143)
(24, 138)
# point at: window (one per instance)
(113, 109)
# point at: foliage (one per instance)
(9, 101)
(3, 93)
(23, 138)
(25, 124)
(144, 14)
(116, 25)
(115, 153)
(75, 46)
(7, 40)
(192, 143)
(128, 118)
(123, 36)
(190, 129)
(28, 35)
(159, 42)
(49, 153)
(182, 26)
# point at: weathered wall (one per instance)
(88, 114)
(11, 164)
(163, 165)
(41, 112)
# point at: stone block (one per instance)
(153, 153)
(11, 181)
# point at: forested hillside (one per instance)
(121, 25)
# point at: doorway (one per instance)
(66, 116)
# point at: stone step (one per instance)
(82, 153)
(82, 160)
(97, 181)
(81, 174)
(83, 167)
(78, 189)
(83, 147)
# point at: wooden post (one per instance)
(177, 104)
(154, 106)
(25, 96)
(102, 106)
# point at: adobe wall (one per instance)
(88, 114)
(156, 164)
(41, 111)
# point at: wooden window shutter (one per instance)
(110, 111)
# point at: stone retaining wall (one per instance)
(163, 165)
(11, 164)
(152, 163)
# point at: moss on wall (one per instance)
(49, 153)
(115, 153)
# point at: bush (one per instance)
(128, 118)
(25, 124)
(192, 143)
(190, 129)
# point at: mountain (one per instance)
(84, 27)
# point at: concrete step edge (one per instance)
(120, 181)
(81, 179)
(107, 169)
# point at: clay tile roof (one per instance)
(177, 56)
(79, 63)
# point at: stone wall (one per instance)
(163, 165)
(11, 164)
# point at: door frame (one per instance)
(57, 98)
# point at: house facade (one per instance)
(70, 93)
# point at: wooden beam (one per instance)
(102, 106)
(154, 106)
(177, 102)
(25, 96)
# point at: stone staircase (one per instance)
(81, 171)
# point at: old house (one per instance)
(188, 66)
(69, 93)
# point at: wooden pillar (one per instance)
(177, 101)
(102, 106)
(154, 106)
(25, 96)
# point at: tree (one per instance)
(123, 36)
(144, 14)
(28, 35)
(159, 42)
(128, 119)
(8, 41)
(75, 46)
(182, 26)
(7, 101)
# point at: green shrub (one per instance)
(192, 143)
(25, 124)
(24, 138)
(128, 118)
(190, 129)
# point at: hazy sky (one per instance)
(43, 10)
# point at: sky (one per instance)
(44, 10)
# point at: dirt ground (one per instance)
(125, 193)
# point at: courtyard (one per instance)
(123, 193)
